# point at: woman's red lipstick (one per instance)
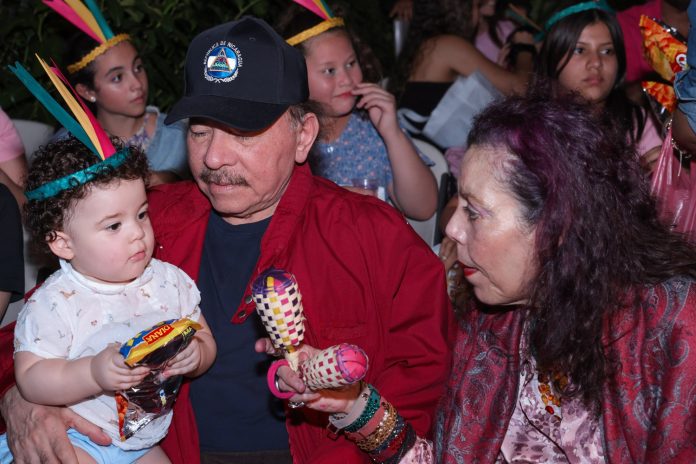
(469, 271)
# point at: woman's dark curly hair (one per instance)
(55, 160)
(557, 50)
(597, 235)
(431, 19)
(297, 19)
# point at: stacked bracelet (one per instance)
(376, 427)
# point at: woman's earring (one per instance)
(93, 99)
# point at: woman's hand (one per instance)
(380, 106)
(328, 401)
(111, 372)
(36, 433)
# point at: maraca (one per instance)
(279, 304)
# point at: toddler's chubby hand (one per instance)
(188, 360)
(111, 372)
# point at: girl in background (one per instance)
(361, 136)
(583, 52)
(107, 71)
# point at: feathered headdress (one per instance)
(84, 126)
(90, 21)
(321, 9)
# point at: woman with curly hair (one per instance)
(108, 72)
(579, 345)
(586, 311)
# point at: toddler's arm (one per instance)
(59, 381)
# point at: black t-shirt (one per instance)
(11, 246)
(234, 409)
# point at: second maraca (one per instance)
(279, 304)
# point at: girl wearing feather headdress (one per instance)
(361, 135)
(108, 72)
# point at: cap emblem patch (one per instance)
(222, 62)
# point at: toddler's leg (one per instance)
(154, 456)
(83, 457)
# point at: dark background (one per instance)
(162, 29)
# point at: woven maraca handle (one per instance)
(335, 367)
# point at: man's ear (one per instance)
(305, 136)
(61, 246)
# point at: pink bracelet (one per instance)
(272, 380)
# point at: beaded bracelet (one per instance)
(368, 428)
(389, 446)
(383, 431)
(376, 427)
(373, 404)
(409, 441)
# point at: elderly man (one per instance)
(365, 276)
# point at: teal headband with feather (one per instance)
(84, 126)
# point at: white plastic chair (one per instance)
(33, 135)
(428, 229)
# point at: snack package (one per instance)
(155, 395)
(665, 50)
(661, 98)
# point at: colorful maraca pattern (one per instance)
(334, 367)
(279, 304)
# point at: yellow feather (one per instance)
(74, 106)
(87, 16)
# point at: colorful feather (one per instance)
(318, 7)
(103, 140)
(108, 33)
(325, 8)
(74, 106)
(75, 12)
(62, 116)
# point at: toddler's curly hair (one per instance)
(43, 218)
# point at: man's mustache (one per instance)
(222, 178)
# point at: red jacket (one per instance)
(365, 277)
(648, 405)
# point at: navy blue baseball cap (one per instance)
(241, 74)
